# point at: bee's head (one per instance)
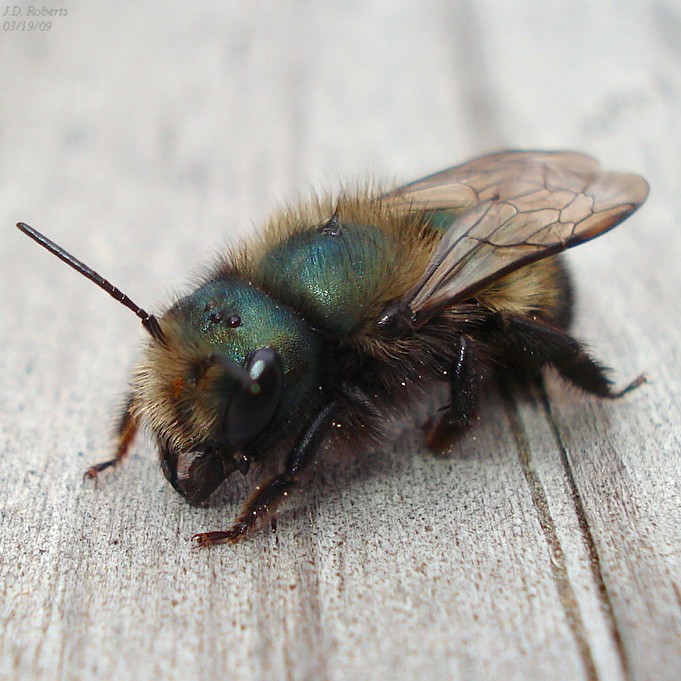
(223, 366)
(210, 414)
(211, 385)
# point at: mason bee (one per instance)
(346, 311)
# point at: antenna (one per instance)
(149, 322)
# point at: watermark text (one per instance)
(32, 18)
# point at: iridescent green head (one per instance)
(232, 364)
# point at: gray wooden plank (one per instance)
(546, 545)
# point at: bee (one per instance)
(346, 311)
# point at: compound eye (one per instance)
(253, 404)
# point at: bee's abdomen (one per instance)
(540, 288)
(563, 311)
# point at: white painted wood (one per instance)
(143, 136)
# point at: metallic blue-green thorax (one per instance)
(441, 220)
(328, 276)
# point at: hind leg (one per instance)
(531, 343)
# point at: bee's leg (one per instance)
(463, 386)
(463, 404)
(534, 343)
(264, 503)
(125, 433)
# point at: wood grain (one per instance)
(143, 137)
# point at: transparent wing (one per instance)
(510, 209)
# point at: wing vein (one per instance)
(510, 209)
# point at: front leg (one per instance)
(267, 499)
(126, 429)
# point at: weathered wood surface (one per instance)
(142, 136)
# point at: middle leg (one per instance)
(463, 384)
(463, 399)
